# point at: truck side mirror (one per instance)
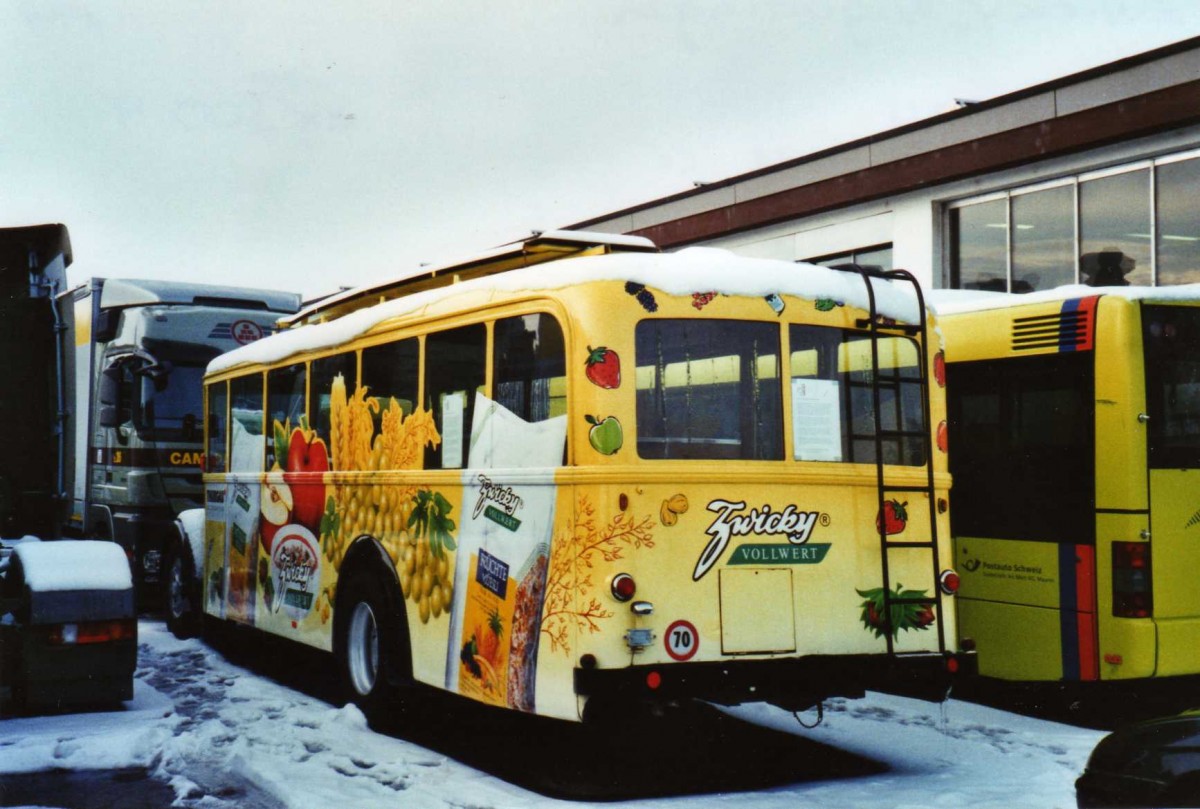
(110, 387)
(109, 416)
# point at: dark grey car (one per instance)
(1151, 763)
(63, 648)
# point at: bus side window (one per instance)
(529, 369)
(455, 369)
(218, 399)
(324, 371)
(285, 400)
(390, 372)
(246, 424)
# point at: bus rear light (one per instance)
(92, 632)
(1132, 587)
(653, 680)
(952, 665)
(948, 582)
(623, 587)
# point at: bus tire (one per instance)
(181, 591)
(366, 643)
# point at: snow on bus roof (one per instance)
(694, 269)
(957, 301)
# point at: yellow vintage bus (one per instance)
(1074, 434)
(575, 474)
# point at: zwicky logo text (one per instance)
(795, 524)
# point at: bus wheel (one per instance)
(182, 592)
(366, 645)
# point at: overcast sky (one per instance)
(307, 145)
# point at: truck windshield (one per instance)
(171, 411)
(1172, 344)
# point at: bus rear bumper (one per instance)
(794, 684)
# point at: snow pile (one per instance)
(951, 754)
(92, 741)
(192, 520)
(74, 565)
(224, 725)
(695, 269)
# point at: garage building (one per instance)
(1091, 178)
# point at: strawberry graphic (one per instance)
(905, 614)
(604, 367)
(924, 617)
(893, 519)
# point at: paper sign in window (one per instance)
(816, 420)
(453, 407)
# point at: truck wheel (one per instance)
(182, 592)
(366, 644)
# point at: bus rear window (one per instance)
(1022, 450)
(708, 389)
(1172, 340)
(833, 397)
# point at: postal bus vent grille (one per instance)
(1060, 331)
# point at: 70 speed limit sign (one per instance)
(682, 640)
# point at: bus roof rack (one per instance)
(540, 247)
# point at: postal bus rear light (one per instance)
(1132, 587)
(623, 587)
(83, 633)
(948, 582)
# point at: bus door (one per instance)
(1023, 512)
(1158, 578)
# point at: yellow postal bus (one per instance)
(1074, 436)
(576, 473)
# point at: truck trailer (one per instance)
(101, 398)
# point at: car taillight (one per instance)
(92, 632)
(623, 587)
(1132, 589)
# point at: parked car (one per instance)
(68, 625)
(1155, 762)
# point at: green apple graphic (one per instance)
(606, 434)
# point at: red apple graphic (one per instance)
(276, 510)
(604, 367)
(307, 453)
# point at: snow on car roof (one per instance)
(956, 301)
(74, 564)
(695, 269)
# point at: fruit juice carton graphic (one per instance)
(503, 550)
(242, 516)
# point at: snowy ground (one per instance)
(222, 736)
